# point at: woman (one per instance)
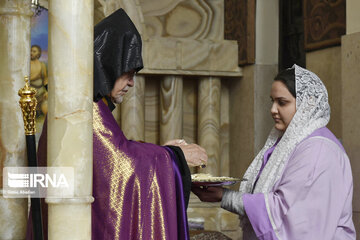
(299, 186)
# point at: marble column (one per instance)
(133, 111)
(70, 139)
(14, 65)
(224, 131)
(117, 114)
(209, 122)
(171, 105)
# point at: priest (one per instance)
(141, 190)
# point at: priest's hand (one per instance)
(176, 142)
(194, 154)
(208, 194)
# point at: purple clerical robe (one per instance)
(313, 198)
(137, 186)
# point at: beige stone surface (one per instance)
(71, 90)
(352, 16)
(234, 235)
(190, 107)
(158, 7)
(190, 96)
(210, 215)
(263, 122)
(103, 8)
(171, 106)
(229, 221)
(117, 114)
(72, 221)
(152, 110)
(13, 218)
(190, 55)
(215, 218)
(224, 129)
(267, 32)
(133, 110)
(329, 71)
(350, 116)
(184, 19)
(242, 122)
(209, 122)
(356, 219)
(14, 65)
(70, 111)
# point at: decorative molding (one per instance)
(191, 19)
(240, 26)
(190, 57)
(324, 22)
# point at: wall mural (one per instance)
(325, 23)
(38, 64)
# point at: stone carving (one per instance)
(171, 93)
(152, 102)
(190, 55)
(133, 111)
(103, 8)
(240, 26)
(324, 22)
(209, 122)
(179, 37)
(191, 19)
(190, 96)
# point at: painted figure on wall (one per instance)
(38, 79)
(38, 65)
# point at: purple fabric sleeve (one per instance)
(181, 208)
(255, 209)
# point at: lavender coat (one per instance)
(313, 198)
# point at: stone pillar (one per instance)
(14, 65)
(117, 114)
(70, 139)
(133, 111)
(209, 122)
(350, 114)
(171, 105)
(224, 131)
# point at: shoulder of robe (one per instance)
(321, 151)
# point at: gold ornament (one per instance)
(28, 104)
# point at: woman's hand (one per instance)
(208, 194)
(194, 154)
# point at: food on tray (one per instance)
(206, 177)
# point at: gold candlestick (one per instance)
(28, 104)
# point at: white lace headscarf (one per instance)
(312, 112)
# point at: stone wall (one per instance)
(326, 63)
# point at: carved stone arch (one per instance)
(190, 19)
(103, 8)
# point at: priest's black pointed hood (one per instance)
(117, 49)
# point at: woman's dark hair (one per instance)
(288, 78)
